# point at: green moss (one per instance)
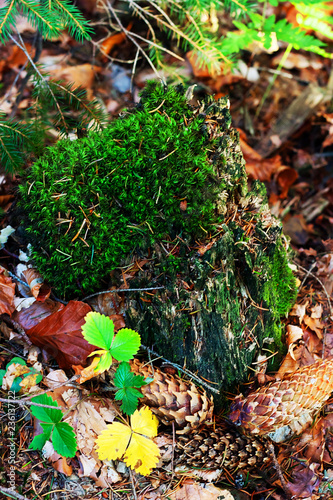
(92, 202)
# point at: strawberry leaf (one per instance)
(64, 440)
(46, 414)
(125, 344)
(98, 330)
(39, 441)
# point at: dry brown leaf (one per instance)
(299, 310)
(196, 491)
(317, 311)
(83, 75)
(285, 177)
(315, 324)
(305, 481)
(34, 314)
(7, 292)
(38, 288)
(61, 336)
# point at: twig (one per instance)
(133, 485)
(131, 37)
(184, 370)
(124, 290)
(12, 494)
(278, 470)
(24, 50)
(22, 402)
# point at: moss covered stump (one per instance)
(164, 186)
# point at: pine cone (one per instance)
(217, 447)
(173, 399)
(289, 402)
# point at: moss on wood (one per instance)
(165, 184)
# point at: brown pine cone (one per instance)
(217, 447)
(290, 402)
(173, 399)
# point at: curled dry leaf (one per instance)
(38, 288)
(315, 324)
(299, 310)
(305, 481)
(60, 335)
(7, 292)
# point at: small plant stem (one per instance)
(269, 88)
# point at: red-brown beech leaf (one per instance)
(34, 314)
(60, 334)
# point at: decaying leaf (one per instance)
(31, 316)
(196, 491)
(60, 334)
(7, 292)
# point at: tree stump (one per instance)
(165, 185)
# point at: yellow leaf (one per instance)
(142, 454)
(98, 351)
(133, 444)
(144, 422)
(90, 371)
(113, 441)
(29, 381)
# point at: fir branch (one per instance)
(8, 19)
(78, 27)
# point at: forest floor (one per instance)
(286, 138)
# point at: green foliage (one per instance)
(107, 195)
(55, 104)
(98, 330)
(50, 18)
(61, 434)
(128, 384)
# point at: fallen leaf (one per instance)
(299, 310)
(112, 41)
(315, 324)
(60, 334)
(7, 292)
(83, 75)
(40, 290)
(197, 491)
(34, 314)
(305, 481)
(133, 443)
(317, 311)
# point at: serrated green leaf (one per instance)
(105, 362)
(98, 330)
(17, 360)
(39, 441)
(64, 440)
(46, 414)
(125, 344)
(129, 397)
(125, 378)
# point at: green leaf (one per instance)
(39, 441)
(127, 381)
(16, 360)
(129, 397)
(105, 362)
(64, 440)
(125, 344)
(125, 378)
(46, 414)
(98, 330)
(2, 374)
